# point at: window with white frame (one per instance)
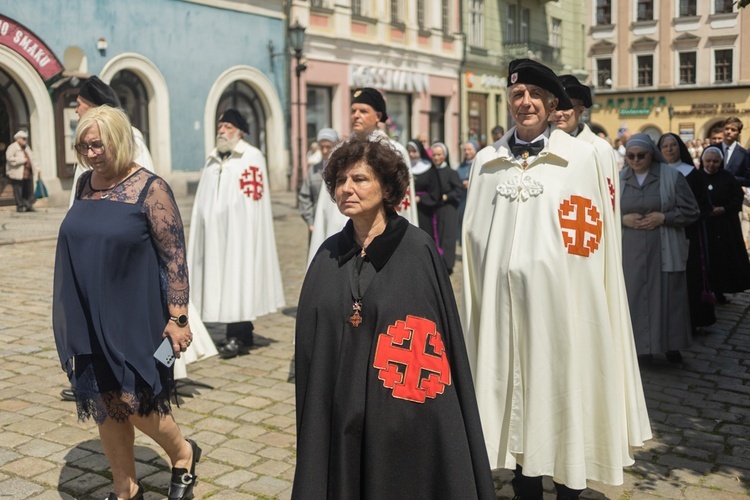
(688, 8)
(476, 23)
(723, 61)
(645, 10)
(604, 73)
(523, 32)
(723, 6)
(687, 68)
(397, 16)
(645, 64)
(445, 16)
(555, 33)
(510, 24)
(603, 11)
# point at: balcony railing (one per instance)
(532, 50)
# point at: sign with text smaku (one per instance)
(31, 48)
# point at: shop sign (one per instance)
(635, 112)
(712, 109)
(389, 79)
(485, 81)
(27, 45)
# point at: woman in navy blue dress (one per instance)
(121, 287)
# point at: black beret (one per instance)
(235, 118)
(373, 98)
(96, 91)
(576, 90)
(534, 73)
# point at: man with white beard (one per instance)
(234, 268)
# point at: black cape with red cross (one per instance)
(385, 410)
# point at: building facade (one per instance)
(407, 49)
(175, 65)
(551, 32)
(659, 66)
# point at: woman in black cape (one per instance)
(385, 400)
(447, 212)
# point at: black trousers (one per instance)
(530, 488)
(23, 192)
(242, 331)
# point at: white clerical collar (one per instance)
(682, 167)
(420, 167)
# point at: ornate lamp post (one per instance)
(297, 42)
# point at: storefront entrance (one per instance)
(14, 115)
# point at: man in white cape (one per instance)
(569, 121)
(368, 111)
(546, 318)
(234, 268)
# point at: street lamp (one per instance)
(297, 42)
(670, 110)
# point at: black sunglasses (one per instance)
(633, 156)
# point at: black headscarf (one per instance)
(684, 153)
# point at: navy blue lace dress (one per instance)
(120, 263)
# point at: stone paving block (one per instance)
(277, 439)
(208, 470)
(39, 448)
(13, 439)
(20, 488)
(727, 483)
(95, 462)
(14, 405)
(696, 493)
(278, 454)
(33, 426)
(235, 479)
(235, 458)
(245, 445)
(69, 436)
(28, 467)
(255, 417)
(53, 495)
(219, 425)
(253, 402)
(267, 486)
(7, 456)
(271, 468)
(209, 437)
(230, 412)
(58, 475)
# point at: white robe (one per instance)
(327, 222)
(142, 158)
(202, 347)
(548, 329)
(608, 164)
(234, 267)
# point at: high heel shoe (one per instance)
(182, 482)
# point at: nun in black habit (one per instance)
(385, 400)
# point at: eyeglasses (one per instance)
(629, 156)
(96, 147)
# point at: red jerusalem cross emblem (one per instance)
(581, 225)
(406, 202)
(251, 183)
(411, 360)
(611, 191)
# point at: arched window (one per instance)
(134, 100)
(244, 99)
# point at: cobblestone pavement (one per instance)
(241, 411)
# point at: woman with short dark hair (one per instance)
(385, 399)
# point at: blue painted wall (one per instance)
(191, 45)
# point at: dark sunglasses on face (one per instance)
(633, 156)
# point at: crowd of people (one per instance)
(579, 260)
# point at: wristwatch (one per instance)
(181, 320)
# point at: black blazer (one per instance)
(739, 165)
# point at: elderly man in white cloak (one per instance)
(570, 121)
(234, 268)
(368, 111)
(546, 320)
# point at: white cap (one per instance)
(22, 134)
